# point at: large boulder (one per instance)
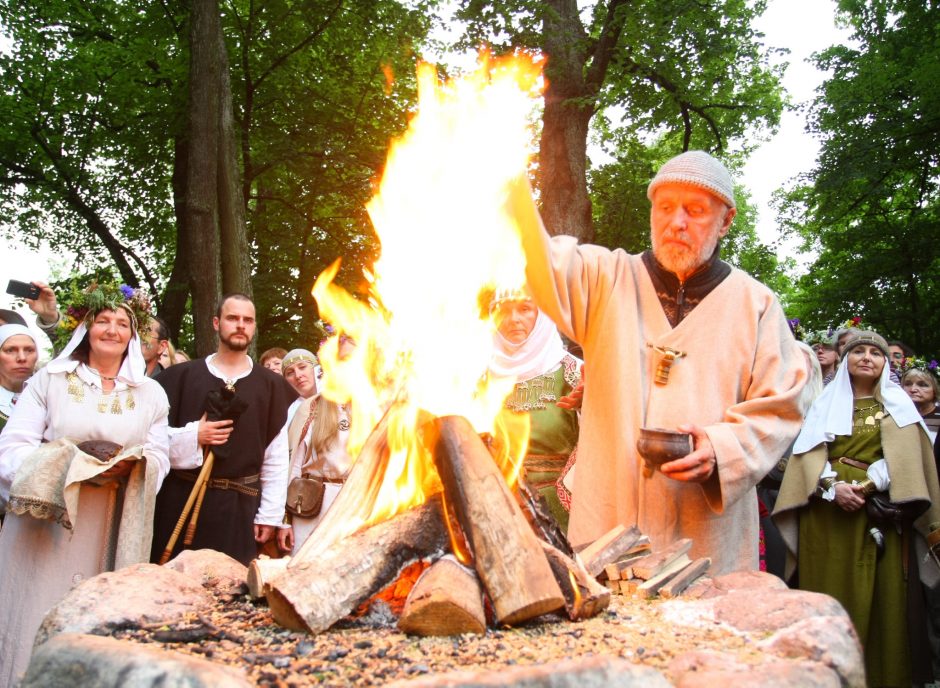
(70, 660)
(591, 672)
(133, 597)
(212, 569)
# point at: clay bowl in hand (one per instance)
(658, 446)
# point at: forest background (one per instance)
(201, 146)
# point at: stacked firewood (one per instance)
(624, 561)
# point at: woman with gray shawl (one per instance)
(81, 460)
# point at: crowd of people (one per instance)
(816, 460)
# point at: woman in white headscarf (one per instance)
(860, 506)
(18, 354)
(527, 347)
(75, 512)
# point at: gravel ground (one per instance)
(370, 652)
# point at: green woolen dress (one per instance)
(553, 432)
(838, 556)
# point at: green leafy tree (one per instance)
(869, 209)
(693, 72)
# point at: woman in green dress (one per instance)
(527, 347)
(860, 506)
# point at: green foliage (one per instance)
(869, 209)
(94, 99)
(87, 93)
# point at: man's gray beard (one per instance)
(682, 260)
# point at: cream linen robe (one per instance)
(740, 381)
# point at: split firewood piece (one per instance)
(584, 596)
(621, 568)
(685, 578)
(650, 587)
(628, 587)
(641, 546)
(360, 489)
(446, 600)
(506, 553)
(313, 594)
(609, 548)
(652, 564)
(260, 573)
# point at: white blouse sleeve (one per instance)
(23, 431)
(184, 446)
(274, 476)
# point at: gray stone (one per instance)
(70, 660)
(703, 669)
(211, 568)
(831, 641)
(592, 672)
(135, 596)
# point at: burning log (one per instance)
(315, 593)
(507, 555)
(584, 596)
(446, 600)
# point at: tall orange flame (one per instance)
(423, 339)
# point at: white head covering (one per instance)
(133, 369)
(540, 353)
(831, 413)
(7, 331)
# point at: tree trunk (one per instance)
(236, 260)
(177, 288)
(214, 224)
(202, 170)
(566, 206)
(576, 70)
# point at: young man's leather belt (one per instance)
(855, 463)
(242, 485)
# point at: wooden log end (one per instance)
(284, 612)
(445, 600)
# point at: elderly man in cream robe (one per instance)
(674, 338)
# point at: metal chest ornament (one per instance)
(667, 357)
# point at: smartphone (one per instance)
(24, 290)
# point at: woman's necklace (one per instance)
(871, 416)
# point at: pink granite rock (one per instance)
(832, 641)
(702, 669)
(212, 568)
(131, 597)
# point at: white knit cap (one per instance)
(697, 168)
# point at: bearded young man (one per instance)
(244, 500)
(675, 338)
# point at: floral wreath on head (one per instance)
(856, 323)
(931, 367)
(797, 329)
(82, 304)
(826, 337)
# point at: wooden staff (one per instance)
(207, 471)
(190, 501)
